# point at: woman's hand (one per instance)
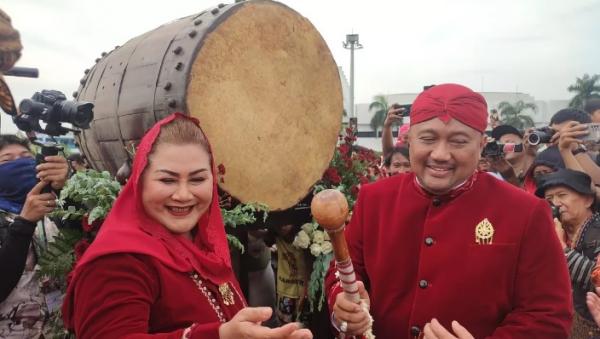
(593, 303)
(246, 324)
(560, 233)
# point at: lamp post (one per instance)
(352, 43)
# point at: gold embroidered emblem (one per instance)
(484, 232)
(226, 294)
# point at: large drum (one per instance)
(257, 75)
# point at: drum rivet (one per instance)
(167, 86)
(172, 103)
(86, 71)
(103, 54)
(97, 59)
(178, 50)
(82, 81)
(221, 5)
(117, 46)
(215, 11)
(179, 66)
(192, 33)
(75, 94)
(197, 22)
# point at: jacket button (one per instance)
(436, 202)
(415, 331)
(423, 284)
(429, 241)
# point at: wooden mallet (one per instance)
(330, 209)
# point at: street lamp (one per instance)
(352, 43)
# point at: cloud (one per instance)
(538, 46)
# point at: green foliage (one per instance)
(515, 114)
(586, 87)
(316, 286)
(57, 260)
(87, 192)
(56, 328)
(380, 105)
(242, 214)
(234, 242)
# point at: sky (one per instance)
(537, 47)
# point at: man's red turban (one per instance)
(451, 101)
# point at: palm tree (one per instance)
(513, 114)
(380, 105)
(585, 88)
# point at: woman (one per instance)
(397, 161)
(160, 266)
(578, 230)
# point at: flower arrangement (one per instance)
(348, 170)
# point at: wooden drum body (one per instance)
(257, 75)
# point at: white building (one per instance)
(366, 135)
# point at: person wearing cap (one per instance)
(546, 162)
(516, 166)
(570, 126)
(578, 230)
(450, 252)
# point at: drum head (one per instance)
(267, 92)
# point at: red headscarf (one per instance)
(128, 229)
(451, 101)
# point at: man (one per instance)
(570, 126)
(23, 204)
(394, 116)
(592, 107)
(519, 171)
(449, 252)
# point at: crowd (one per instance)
(463, 232)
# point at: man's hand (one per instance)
(435, 330)
(356, 318)
(55, 171)
(246, 324)
(567, 138)
(393, 115)
(38, 204)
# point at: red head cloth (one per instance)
(128, 229)
(450, 101)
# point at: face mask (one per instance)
(17, 178)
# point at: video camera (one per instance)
(53, 108)
(494, 149)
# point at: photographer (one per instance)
(22, 205)
(515, 167)
(569, 126)
(394, 115)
